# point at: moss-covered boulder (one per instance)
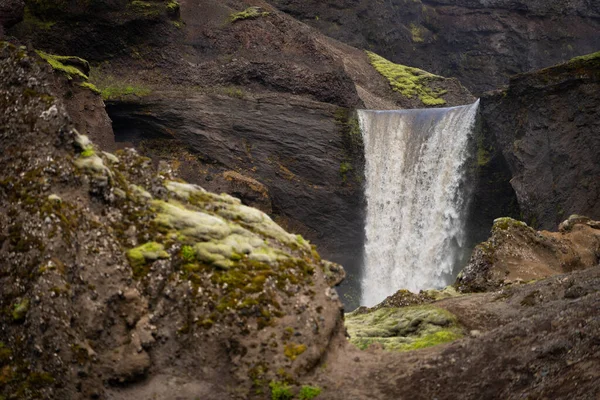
(403, 329)
(115, 273)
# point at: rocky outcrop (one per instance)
(97, 30)
(481, 43)
(538, 340)
(517, 253)
(114, 274)
(546, 126)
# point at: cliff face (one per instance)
(546, 125)
(480, 42)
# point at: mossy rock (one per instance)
(403, 329)
(248, 13)
(409, 81)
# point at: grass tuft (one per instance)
(409, 81)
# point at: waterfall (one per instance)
(416, 197)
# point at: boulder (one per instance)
(517, 253)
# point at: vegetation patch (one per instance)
(505, 223)
(409, 81)
(91, 86)
(112, 88)
(280, 391)
(293, 350)
(309, 392)
(587, 57)
(140, 256)
(248, 13)
(403, 329)
(20, 310)
(417, 32)
(66, 64)
(118, 91)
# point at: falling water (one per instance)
(416, 197)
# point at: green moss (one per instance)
(505, 223)
(483, 157)
(173, 7)
(345, 167)
(409, 81)
(146, 8)
(293, 350)
(416, 33)
(119, 90)
(248, 13)
(188, 253)
(140, 256)
(403, 329)
(60, 63)
(280, 391)
(587, 57)
(91, 86)
(309, 392)
(20, 310)
(5, 354)
(88, 152)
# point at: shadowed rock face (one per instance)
(546, 125)
(11, 12)
(480, 42)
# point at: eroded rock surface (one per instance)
(517, 253)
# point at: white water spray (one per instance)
(416, 202)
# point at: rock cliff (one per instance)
(546, 126)
(481, 43)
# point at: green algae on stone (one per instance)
(409, 81)
(403, 329)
